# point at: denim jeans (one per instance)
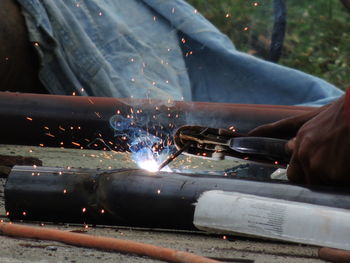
(155, 49)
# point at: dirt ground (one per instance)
(232, 249)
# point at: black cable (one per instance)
(279, 30)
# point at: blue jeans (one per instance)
(155, 49)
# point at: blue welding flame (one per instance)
(148, 150)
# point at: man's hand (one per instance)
(321, 146)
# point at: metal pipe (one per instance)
(75, 122)
(135, 197)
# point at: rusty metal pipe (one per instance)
(135, 197)
(74, 122)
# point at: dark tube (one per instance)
(75, 122)
(134, 197)
(279, 29)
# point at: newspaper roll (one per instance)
(230, 212)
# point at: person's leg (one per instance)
(18, 62)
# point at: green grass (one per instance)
(317, 39)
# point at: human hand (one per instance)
(286, 128)
(320, 148)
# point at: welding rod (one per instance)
(179, 151)
(173, 156)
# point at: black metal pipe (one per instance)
(134, 197)
(74, 122)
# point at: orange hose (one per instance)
(105, 243)
(334, 255)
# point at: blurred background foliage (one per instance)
(317, 39)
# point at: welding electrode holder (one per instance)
(133, 197)
(219, 144)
